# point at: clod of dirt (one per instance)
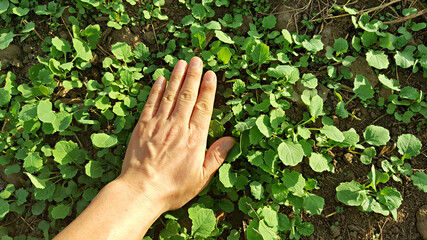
(298, 88)
(384, 92)
(9, 54)
(422, 221)
(65, 15)
(168, 3)
(125, 35)
(333, 31)
(149, 37)
(361, 66)
(245, 24)
(336, 231)
(286, 19)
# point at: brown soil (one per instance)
(348, 224)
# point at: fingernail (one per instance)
(181, 65)
(160, 80)
(210, 76)
(195, 62)
(228, 144)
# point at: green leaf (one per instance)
(341, 111)
(409, 92)
(376, 135)
(103, 140)
(6, 39)
(305, 229)
(266, 232)
(333, 133)
(295, 182)
(390, 197)
(340, 45)
(4, 208)
(263, 124)
(257, 190)
(420, 181)
(239, 87)
(226, 176)
(404, 59)
(316, 106)
(260, 53)
(60, 211)
(290, 153)
(320, 162)
(44, 111)
(33, 162)
(351, 193)
(94, 169)
(4, 97)
(141, 51)
(309, 80)
(66, 152)
(199, 11)
(390, 83)
(408, 144)
(362, 87)
(203, 220)
(223, 37)
(37, 182)
(122, 51)
(269, 22)
(4, 5)
(61, 44)
(367, 155)
(313, 204)
(377, 59)
(224, 54)
(82, 49)
(277, 117)
(216, 129)
(314, 45)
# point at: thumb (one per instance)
(217, 153)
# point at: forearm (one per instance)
(115, 213)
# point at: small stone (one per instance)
(125, 35)
(336, 231)
(422, 221)
(17, 63)
(353, 235)
(149, 37)
(11, 52)
(349, 157)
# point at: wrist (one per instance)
(142, 196)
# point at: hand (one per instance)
(166, 159)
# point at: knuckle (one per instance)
(177, 75)
(217, 156)
(203, 106)
(193, 74)
(186, 95)
(169, 97)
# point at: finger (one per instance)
(171, 92)
(188, 94)
(216, 155)
(202, 111)
(153, 101)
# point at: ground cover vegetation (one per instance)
(304, 118)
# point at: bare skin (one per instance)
(165, 165)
